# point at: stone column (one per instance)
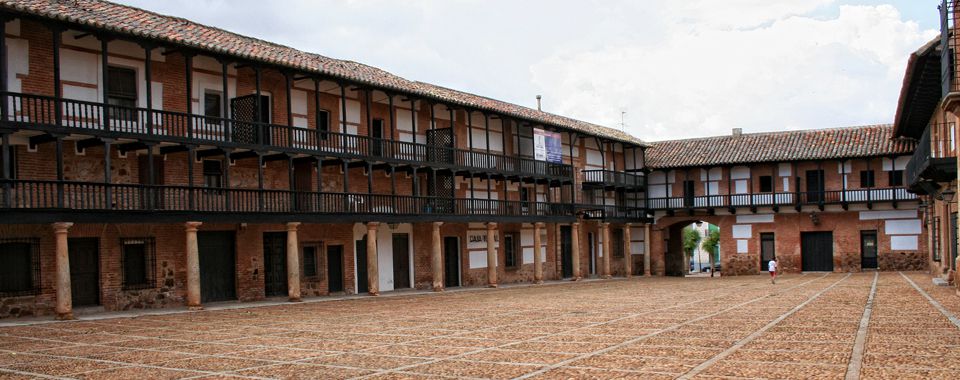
(193, 267)
(64, 295)
(373, 268)
(646, 250)
(491, 255)
(575, 242)
(627, 252)
(537, 254)
(605, 230)
(436, 258)
(293, 262)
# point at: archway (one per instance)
(686, 253)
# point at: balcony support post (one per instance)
(843, 183)
(491, 255)
(292, 184)
(226, 180)
(343, 113)
(105, 78)
(486, 123)
(319, 160)
(288, 89)
(3, 68)
(393, 187)
(575, 243)
(151, 179)
(489, 195)
(59, 152)
(471, 162)
(413, 122)
(368, 111)
(148, 85)
(188, 74)
(5, 159)
(416, 182)
(191, 161)
(64, 306)
(393, 117)
(260, 181)
(369, 177)
(871, 184)
(107, 173)
(537, 253)
(224, 98)
(346, 186)
(573, 179)
(259, 107)
(57, 87)
(316, 113)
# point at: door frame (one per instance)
(876, 252)
(459, 256)
(99, 259)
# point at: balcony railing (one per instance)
(84, 116)
(590, 211)
(891, 194)
(610, 178)
(72, 195)
(935, 158)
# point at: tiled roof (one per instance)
(131, 21)
(817, 144)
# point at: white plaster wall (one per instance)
(385, 251)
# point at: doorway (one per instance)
(361, 249)
(816, 251)
(868, 249)
(401, 261)
(217, 265)
(151, 198)
(689, 190)
(566, 251)
(275, 263)
(376, 141)
(451, 261)
(815, 186)
(84, 271)
(303, 183)
(592, 248)
(334, 268)
(767, 253)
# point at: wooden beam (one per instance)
(88, 143)
(209, 153)
(41, 139)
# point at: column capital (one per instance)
(539, 224)
(192, 226)
(372, 225)
(628, 225)
(604, 224)
(61, 227)
(575, 224)
(491, 225)
(437, 224)
(292, 226)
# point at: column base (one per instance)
(575, 279)
(195, 308)
(65, 316)
(437, 289)
(296, 300)
(375, 294)
(492, 286)
(607, 277)
(538, 282)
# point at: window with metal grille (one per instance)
(896, 178)
(310, 261)
(122, 93)
(138, 258)
(510, 251)
(19, 267)
(213, 173)
(766, 184)
(866, 178)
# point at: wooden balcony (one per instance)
(934, 160)
(610, 180)
(796, 199)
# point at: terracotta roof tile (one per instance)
(850, 142)
(131, 21)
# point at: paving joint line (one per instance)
(859, 345)
(742, 342)
(658, 332)
(946, 313)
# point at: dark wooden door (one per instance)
(275, 263)
(401, 261)
(566, 251)
(688, 193)
(84, 271)
(362, 266)
(303, 182)
(451, 261)
(816, 251)
(767, 252)
(218, 266)
(814, 186)
(335, 268)
(592, 250)
(151, 197)
(868, 249)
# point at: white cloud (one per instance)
(794, 72)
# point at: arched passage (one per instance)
(676, 260)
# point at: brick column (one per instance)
(646, 250)
(575, 242)
(627, 252)
(193, 267)
(64, 295)
(605, 231)
(373, 268)
(436, 258)
(293, 262)
(491, 255)
(537, 254)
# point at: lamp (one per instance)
(947, 195)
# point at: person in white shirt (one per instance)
(772, 267)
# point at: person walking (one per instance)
(772, 267)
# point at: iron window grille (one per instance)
(138, 261)
(19, 267)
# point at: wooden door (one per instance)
(401, 261)
(335, 268)
(275, 263)
(84, 271)
(362, 286)
(868, 249)
(816, 251)
(767, 253)
(566, 251)
(218, 265)
(451, 261)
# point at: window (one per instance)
(213, 173)
(896, 178)
(138, 263)
(212, 108)
(310, 261)
(122, 92)
(866, 178)
(766, 184)
(323, 123)
(510, 251)
(19, 267)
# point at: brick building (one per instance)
(149, 161)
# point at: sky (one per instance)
(659, 69)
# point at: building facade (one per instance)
(148, 161)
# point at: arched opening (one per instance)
(693, 249)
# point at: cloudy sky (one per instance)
(677, 68)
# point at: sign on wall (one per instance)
(547, 146)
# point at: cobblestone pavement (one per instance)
(822, 326)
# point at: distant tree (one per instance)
(691, 240)
(710, 244)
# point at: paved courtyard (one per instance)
(883, 326)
